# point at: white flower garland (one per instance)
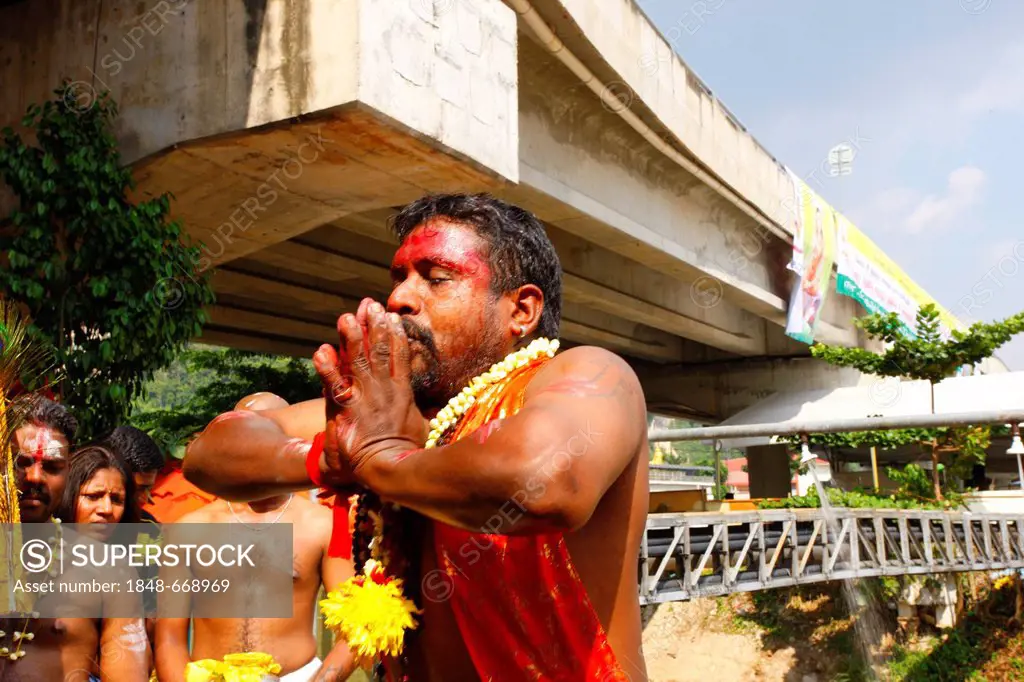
(451, 412)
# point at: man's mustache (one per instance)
(420, 334)
(39, 493)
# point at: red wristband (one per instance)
(341, 540)
(313, 459)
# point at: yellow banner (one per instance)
(868, 275)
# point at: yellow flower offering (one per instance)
(370, 613)
(246, 667)
(1002, 581)
(253, 659)
(206, 670)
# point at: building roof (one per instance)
(738, 478)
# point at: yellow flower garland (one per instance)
(370, 611)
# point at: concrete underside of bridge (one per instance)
(289, 130)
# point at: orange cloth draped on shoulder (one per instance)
(173, 496)
(521, 607)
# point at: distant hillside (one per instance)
(171, 388)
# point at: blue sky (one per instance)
(934, 91)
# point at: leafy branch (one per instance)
(927, 356)
(110, 284)
(913, 492)
(924, 355)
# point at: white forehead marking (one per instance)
(43, 445)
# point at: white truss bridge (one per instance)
(701, 554)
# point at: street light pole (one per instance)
(840, 160)
(718, 470)
(874, 467)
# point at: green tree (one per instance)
(111, 285)
(205, 381)
(926, 356)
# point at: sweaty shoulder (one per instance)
(587, 372)
(204, 514)
(312, 514)
(301, 420)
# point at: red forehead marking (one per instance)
(45, 447)
(450, 247)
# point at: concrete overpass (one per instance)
(288, 130)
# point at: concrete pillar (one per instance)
(945, 601)
(768, 467)
(906, 618)
(942, 597)
(906, 609)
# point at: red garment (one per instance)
(344, 522)
(522, 609)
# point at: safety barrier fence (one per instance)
(687, 555)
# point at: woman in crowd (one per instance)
(99, 490)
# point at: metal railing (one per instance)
(679, 472)
(844, 425)
(687, 555)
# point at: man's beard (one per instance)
(442, 379)
(42, 495)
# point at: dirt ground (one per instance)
(708, 639)
(807, 635)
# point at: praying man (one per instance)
(527, 467)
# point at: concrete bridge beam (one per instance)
(590, 174)
(288, 130)
(715, 391)
(295, 112)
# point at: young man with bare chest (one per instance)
(65, 649)
(289, 640)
